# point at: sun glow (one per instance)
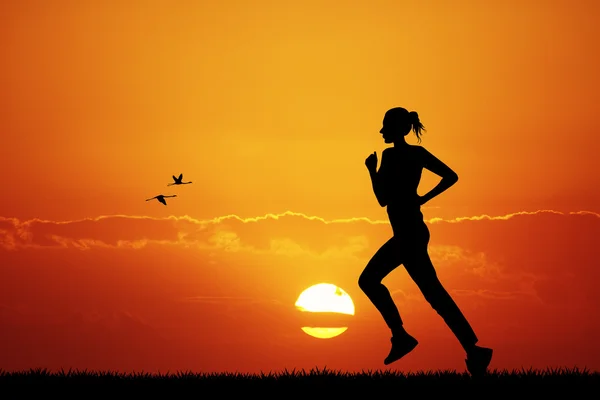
(325, 298)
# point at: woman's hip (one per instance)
(414, 232)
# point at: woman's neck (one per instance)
(400, 143)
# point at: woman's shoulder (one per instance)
(419, 149)
(387, 152)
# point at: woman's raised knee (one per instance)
(365, 283)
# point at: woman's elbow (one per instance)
(452, 177)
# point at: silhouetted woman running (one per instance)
(395, 186)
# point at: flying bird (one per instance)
(161, 198)
(178, 181)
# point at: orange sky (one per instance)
(270, 107)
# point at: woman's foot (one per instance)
(478, 360)
(401, 346)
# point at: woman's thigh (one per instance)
(384, 261)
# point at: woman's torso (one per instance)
(400, 171)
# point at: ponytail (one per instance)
(416, 124)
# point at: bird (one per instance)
(161, 198)
(178, 181)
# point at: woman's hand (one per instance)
(371, 162)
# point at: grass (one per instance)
(313, 383)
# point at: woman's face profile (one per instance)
(387, 133)
(390, 129)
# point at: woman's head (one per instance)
(398, 122)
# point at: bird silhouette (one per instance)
(161, 198)
(178, 181)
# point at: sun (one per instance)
(325, 298)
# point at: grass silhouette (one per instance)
(315, 382)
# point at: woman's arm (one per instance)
(376, 178)
(378, 189)
(449, 177)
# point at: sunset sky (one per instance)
(270, 108)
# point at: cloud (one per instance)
(495, 295)
(511, 215)
(521, 252)
(228, 232)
